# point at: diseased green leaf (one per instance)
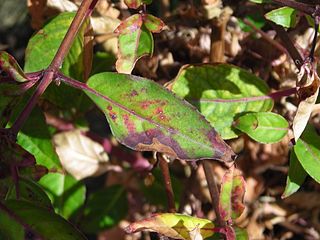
(136, 3)
(307, 150)
(264, 127)
(221, 92)
(12, 69)
(231, 195)
(173, 225)
(43, 222)
(296, 176)
(133, 46)
(130, 25)
(41, 50)
(146, 117)
(104, 209)
(152, 23)
(284, 16)
(67, 194)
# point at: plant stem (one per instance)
(50, 73)
(164, 167)
(292, 50)
(214, 192)
(305, 8)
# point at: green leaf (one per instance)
(104, 209)
(36, 139)
(284, 16)
(173, 225)
(146, 117)
(221, 92)
(41, 50)
(66, 193)
(256, 19)
(296, 176)
(10, 229)
(136, 3)
(43, 222)
(307, 150)
(231, 195)
(29, 191)
(264, 127)
(152, 23)
(133, 46)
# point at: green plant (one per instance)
(143, 116)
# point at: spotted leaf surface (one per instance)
(146, 117)
(221, 92)
(231, 195)
(177, 226)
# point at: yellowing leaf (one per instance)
(79, 155)
(177, 226)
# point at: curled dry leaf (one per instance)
(308, 92)
(79, 155)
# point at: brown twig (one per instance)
(167, 182)
(214, 192)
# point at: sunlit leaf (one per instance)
(130, 25)
(264, 127)
(40, 52)
(284, 16)
(260, 1)
(104, 209)
(11, 68)
(146, 117)
(79, 155)
(177, 226)
(44, 223)
(133, 46)
(307, 150)
(66, 194)
(221, 92)
(296, 176)
(152, 23)
(231, 195)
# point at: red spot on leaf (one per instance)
(129, 124)
(148, 103)
(159, 112)
(112, 114)
(133, 93)
(109, 108)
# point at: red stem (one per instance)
(167, 183)
(50, 73)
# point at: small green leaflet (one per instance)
(284, 16)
